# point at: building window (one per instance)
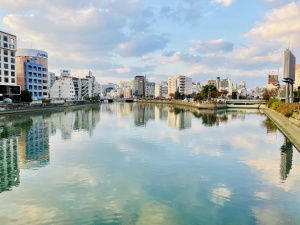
(5, 52)
(0, 78)
(13, 67)
(5, 45)
(12, 54)
(11, 40)
(13, 74)
(5, 59)
(12, 60)
(5, 80)
(5, 66)
(5, 38)
(13, 80)
(34, 68)
(5, 73)
(0, 72)
(30, 67)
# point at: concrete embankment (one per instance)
(288, 128)
(49, 107)
(190, 104)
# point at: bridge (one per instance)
(243, 103)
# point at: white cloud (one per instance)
(225, 3)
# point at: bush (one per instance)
(287, 109)
(274, 103)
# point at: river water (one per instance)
(125, 163)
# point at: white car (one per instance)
(7, 100)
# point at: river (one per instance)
(134, 163)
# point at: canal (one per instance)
(135, 163)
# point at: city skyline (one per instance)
(121, 39)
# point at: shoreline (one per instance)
(288, 128)
(210, 106)
(40, 108)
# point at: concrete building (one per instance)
(161, 89)
(51, 79)
(128, 92)
(225, 84)
(63, 89)
(106, 88)
(32, 72)
(211, 81)
(182, 84)
(139, 86)
(149, 89)
(297, 78)
(273, 79)
(8, 81)
(242, 85)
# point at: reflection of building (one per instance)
(9, 166)
(286, 159)
(85, 119)
(34, 145)
(142, 114)
(179, 119)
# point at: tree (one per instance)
(273, 93)
(208, 87)
(178, 95)
(121, 96)
(171, 95)
(26, 96)
(215, 94)
(298, 93)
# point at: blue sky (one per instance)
(118, 39)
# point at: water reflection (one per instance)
(24, 142)
(286, 159)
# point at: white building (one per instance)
(63, 89)
(182, 84)
(51, 79)
(8, 78)
(149, 89)
(242, 84)
(161, 89)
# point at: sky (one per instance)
(119, 39)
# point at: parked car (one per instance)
(7, 100)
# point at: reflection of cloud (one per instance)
(262, 195)
(79, 175)
(220, 196)
(270, 215)
(155, 213)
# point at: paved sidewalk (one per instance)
(290, 130)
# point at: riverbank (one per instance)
(286, 126)
(45, 107)
(213, 106)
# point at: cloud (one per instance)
(224, 3)
(141, 45)
(213, 46)
(281, 26)
(189, 11)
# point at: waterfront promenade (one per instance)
(289, 129)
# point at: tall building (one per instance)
(149, 89)
(51, 79)
(182, 84)
(225, 84)
(289, 68)
(297, 77)
(8, 81)
(139, 86)
(273, 79)
(32, 72)
(161, 89)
